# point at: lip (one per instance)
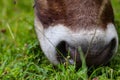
(96, 57)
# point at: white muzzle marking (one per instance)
(49, 38)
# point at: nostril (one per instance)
(61, 47)
(105, 54)
(113, 44)
(61, 51)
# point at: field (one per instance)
(20, 54)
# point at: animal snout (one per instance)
(65, 26)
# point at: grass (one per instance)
(21, 57)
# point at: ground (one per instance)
(22, 59)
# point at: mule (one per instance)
(64, 26)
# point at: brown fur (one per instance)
(73, 13)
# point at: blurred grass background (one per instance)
(21, 57)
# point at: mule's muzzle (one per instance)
(94, 54)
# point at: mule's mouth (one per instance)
(96, 57)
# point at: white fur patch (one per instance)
(50, 37)
(111, 33)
